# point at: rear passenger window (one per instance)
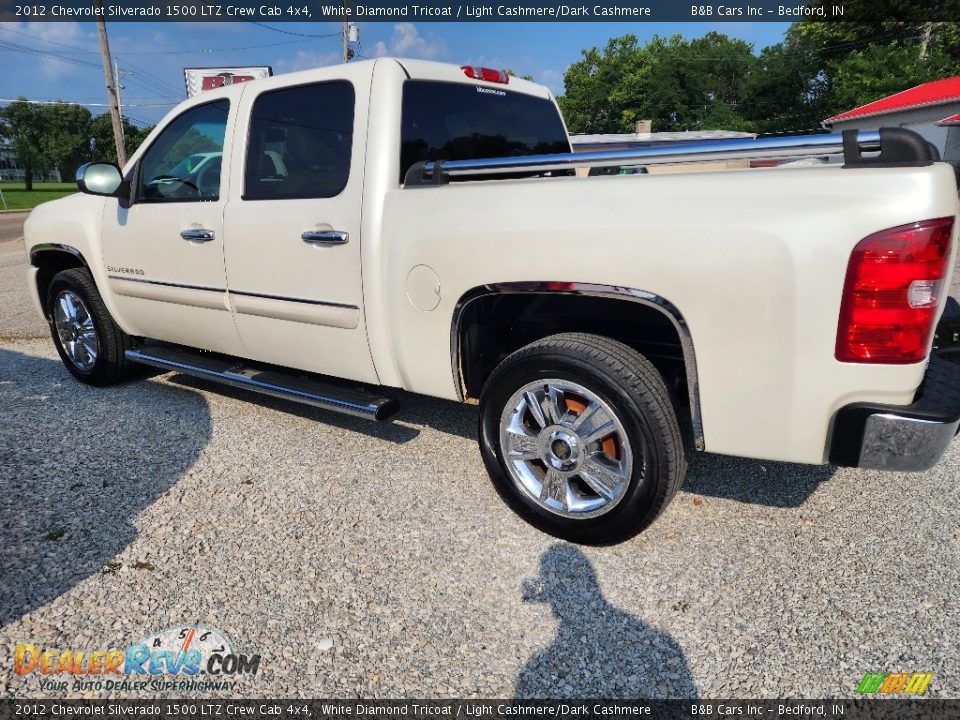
(464, 121)
(300, 141)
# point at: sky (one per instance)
(61, 61)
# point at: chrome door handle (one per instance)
(325, 237)
(197, 234)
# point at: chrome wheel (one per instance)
(565, 448)
(76, 331)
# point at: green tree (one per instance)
(102, 144)
(192, 141)
(699, 84)
(784, 93)
(604, 89)
(65, 138)
(881, 70)
(679, 84)
(22, 126)
(849, 64)
(513, 73)
(715, 82)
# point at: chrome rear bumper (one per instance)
(901, 438)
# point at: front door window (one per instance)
(183, 163)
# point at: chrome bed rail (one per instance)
(886, 147)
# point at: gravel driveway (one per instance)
(377, 560)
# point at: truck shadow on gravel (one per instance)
(77, 465)
(599, 651)
(759, 482)
(444, 416)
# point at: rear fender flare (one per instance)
(642, 297)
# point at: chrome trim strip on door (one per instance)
(313, 312)
(166, 284)
(176, 293)
(293, 299)
(642, 297)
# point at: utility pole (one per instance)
(346, 31)
(927, 37)
(112, 91)
(117, 75)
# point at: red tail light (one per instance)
(890, 297)
(488, 74)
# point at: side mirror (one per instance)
(100, 178)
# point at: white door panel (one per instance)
(167, 277)
(292, 226)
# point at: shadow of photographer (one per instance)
(599, 651)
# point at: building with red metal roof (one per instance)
(937, 92)
(931, 109)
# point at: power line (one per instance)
(158, 83)
(16, 47)
(149, 80)
(139, 123)
(289, 32)
(83, 104)
(207, 51)
(152, 85)
(908, 33)
(51, 42)
(194, 51)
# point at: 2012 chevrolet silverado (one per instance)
(330, 235)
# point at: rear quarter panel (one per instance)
(754, 260)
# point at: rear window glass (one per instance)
(458, 121)
(300, 142)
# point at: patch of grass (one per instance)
(19, 199)
(141, 565)
(55, 535)
(112, 567)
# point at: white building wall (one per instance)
(921, 120)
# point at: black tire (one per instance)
(634, 390)
(111, 365)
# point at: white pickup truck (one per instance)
(333, 235)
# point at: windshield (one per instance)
(458, 121)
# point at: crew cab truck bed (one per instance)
(784, 314)
(755, 264)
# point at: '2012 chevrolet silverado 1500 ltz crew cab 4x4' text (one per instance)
(333, 235)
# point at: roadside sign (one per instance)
(198, 80)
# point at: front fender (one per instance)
(70, 225)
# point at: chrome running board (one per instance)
(275, 383)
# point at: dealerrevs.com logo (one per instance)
(183, 658)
